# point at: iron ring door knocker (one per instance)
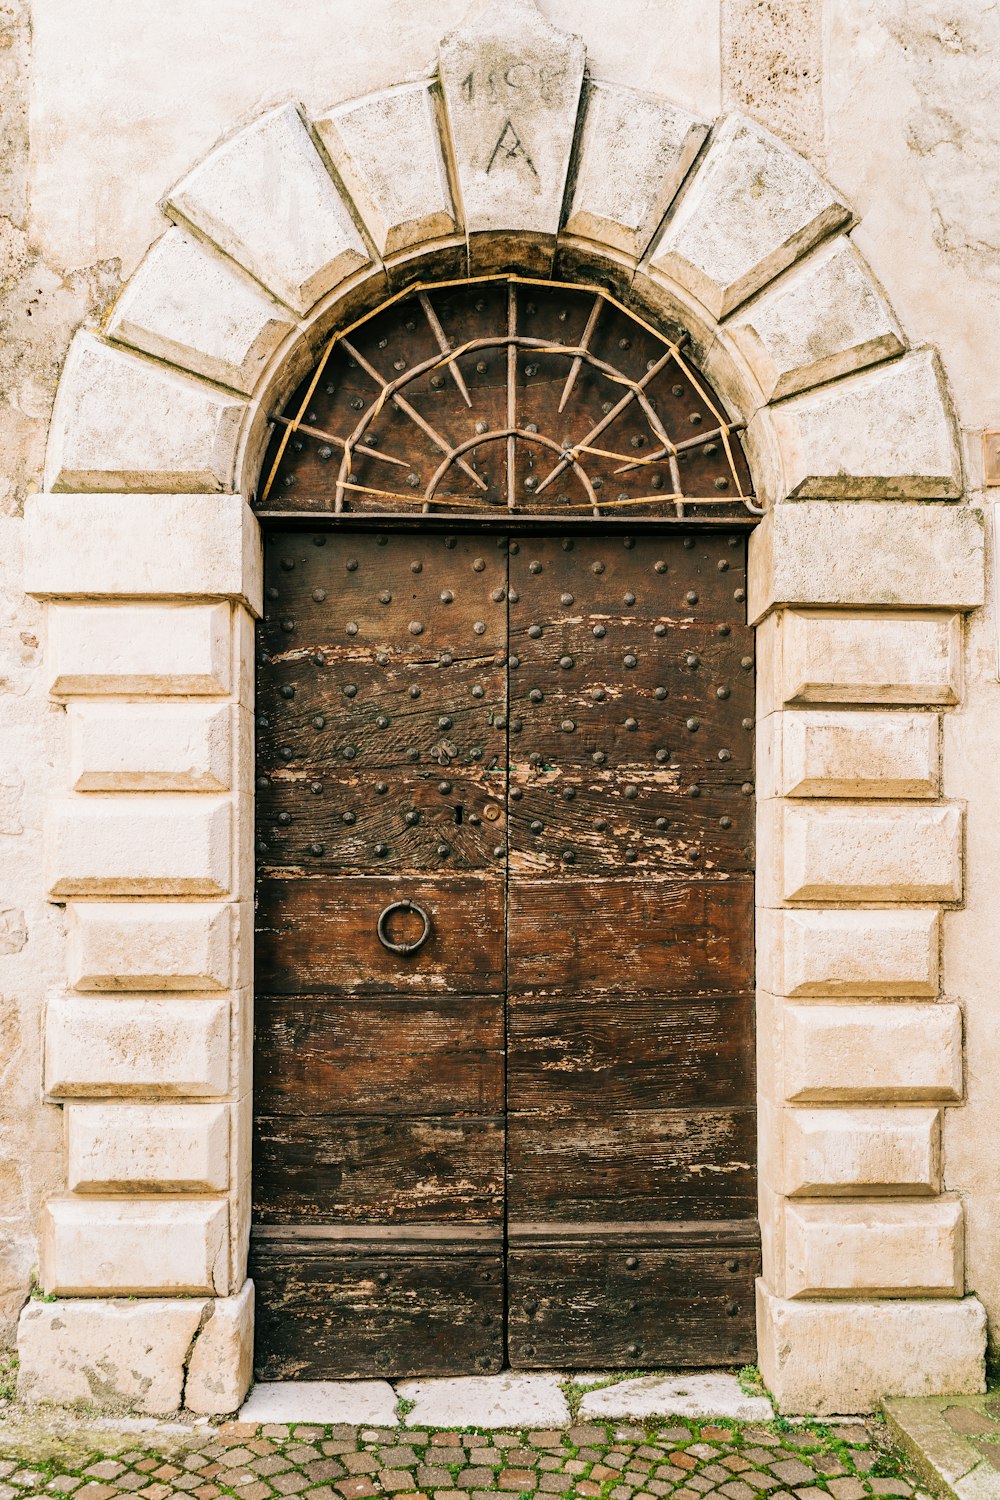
(403, 948)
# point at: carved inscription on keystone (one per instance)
(512, 86)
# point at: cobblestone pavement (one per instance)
(686, 1460)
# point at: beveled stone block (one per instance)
(831, 657)
(874, 853)
(266, 200)
(139, 649)
(851, 1152)
(817, 753)
(368, 140)
(134, 1247)
(880, 953)
(192, 307)
(139, 846)
(151, 945)
(892, 1053)
(136, 1047)
(146, 747)
(147, 1148)
(124, 423)
(754, 207)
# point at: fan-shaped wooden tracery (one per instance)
(508, 395)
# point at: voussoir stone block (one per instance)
(885, 554)
(634, 152)
(146, 747)
(139, 649)
(147, 1148)
(107, 1354)
(123, 422)
(821, 1359)
(135, 1247)
(896, 1052)
(825, 319)
(753, 208)
(884, 434)
(850, 1152)
(139, 846)
(873, 1249)
(818, 753)
(266, 199)
(150, 945)
(163, 546)
(803, 953)
(221, 1364)
(859, 658)
(192, 307)
(512, 86)
(873, 853)
(387, 149)
(97, 1047)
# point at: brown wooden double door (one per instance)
(531, 1139)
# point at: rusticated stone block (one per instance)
(139, 649)
(140, 1247)
(147, 1148)
(878, 953)
(850, 1152)
(139, 846)
(894, 1053)
(873, 1249)
(144, 747)
(125, 945)
(143, 1047)
(881, 852)
(823, 754)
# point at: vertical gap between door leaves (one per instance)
(506, 949)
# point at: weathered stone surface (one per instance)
(139, 649)
(139, 846)
(143, 747)
(107, 1354)
(694, 1395)
(147, 1148)
(815, 1362)
(328, 1402)
(753, 208)
(512, 86)
(124, 423)
(885, 434)
(13, 930)
(119, 945)
(511, 1399)
(815, 657)
(850, 1152)
(143, 1047)
(820, 852)
(221, 1364)
(817, 753)
(635, 151)
(874, 1249)
(892, 1053)
(165, 546)
(192, 307)
(826, 319)
(368, 141)
(843, 953)
(881, 554)
(91, 1246)
(266, 199)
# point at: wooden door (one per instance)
(504, 1079)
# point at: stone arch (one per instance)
(509, 157)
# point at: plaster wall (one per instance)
(106, 107)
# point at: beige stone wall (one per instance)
(892, 102)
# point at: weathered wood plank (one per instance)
(391, 1170)
(319, 935)
(383, 1056)
(628, 937)
(632, 1164)
(379, 1310)
(628, 1052)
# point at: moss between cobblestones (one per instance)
(719, 1460)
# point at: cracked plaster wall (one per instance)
(893, 99)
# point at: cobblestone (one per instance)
(283, 1461)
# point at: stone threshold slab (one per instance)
(512, 1399)
(953, 1441)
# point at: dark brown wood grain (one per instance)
(318, 935)
(600, 1164)
(567, 1056)
(640, 1305)
(328, 1310)
(337, 1169)
(630, 936)
(320, 1056)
